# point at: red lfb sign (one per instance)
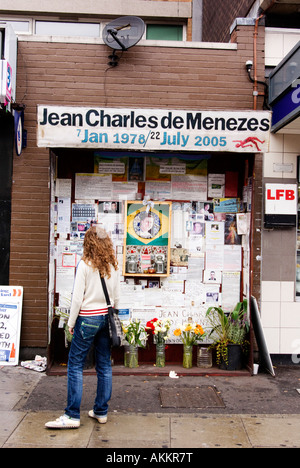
(281, 199)
(281, 194)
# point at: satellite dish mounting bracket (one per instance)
(113, 33)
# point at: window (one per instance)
(22, 27)
(166, 32)
(60, 28)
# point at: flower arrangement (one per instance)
(189, 333)
(135, 333)
(159, 328)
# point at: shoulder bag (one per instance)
(115, 326)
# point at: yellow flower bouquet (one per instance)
(190, 333)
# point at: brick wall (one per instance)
(77, 74)
(218, 17)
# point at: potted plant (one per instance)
(228, 332)
(135, 335)
(189, 333)
(160, 329)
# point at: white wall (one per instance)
(280, 313)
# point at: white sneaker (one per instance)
(100, 419)
(64, 422)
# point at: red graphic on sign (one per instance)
(17, 292)
(251, 140)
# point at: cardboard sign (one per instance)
(11, 299)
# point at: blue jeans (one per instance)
(88, 330)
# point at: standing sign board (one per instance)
(11, 299)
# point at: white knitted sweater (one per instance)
(88, 294)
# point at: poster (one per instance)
(93, 187)
(215, 257)
(63, 188)
(147, 238)
(189, 187)
(216, 185)
(63, 215)
(231, 281)
(214, 232)
(124, 190)
(11, 300)
(226, 205)
(232, 257)
(158, 190)
(118, 167)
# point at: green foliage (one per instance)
(228, 328)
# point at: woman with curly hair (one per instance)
(88, 323)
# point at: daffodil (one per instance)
(189, 333)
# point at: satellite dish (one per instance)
(123, 33)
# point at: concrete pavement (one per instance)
(259, 411)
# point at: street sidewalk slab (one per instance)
(156, 431)
(137, 420)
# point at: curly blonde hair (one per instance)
(98, 251)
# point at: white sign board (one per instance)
(153, 129)
(281, 199)
(11, 299)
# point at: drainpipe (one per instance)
(255, 90)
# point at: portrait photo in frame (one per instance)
(147, 238)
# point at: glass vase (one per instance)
(187, 356)
(160, 355)
(132, 357)
(204, 357)
(126, 355)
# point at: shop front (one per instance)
(174, 189)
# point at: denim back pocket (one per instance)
(88, 330)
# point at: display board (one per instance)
(11, 300)
(179, 225)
